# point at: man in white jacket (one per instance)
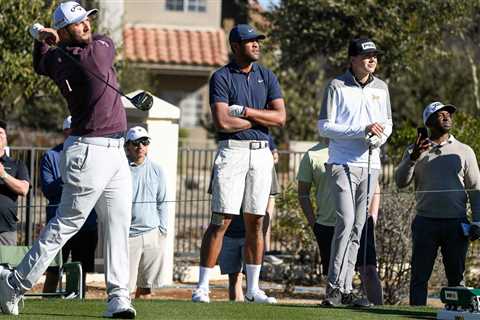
(356, 117)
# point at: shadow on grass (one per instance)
(61, 315)
(413, 314)
(405, 313)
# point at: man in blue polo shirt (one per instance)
(245, 99)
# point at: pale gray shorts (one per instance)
(147, 253)
(242, 175)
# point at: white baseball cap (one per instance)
(136, 133)
(434, 107)
(67, 123)
(70, 12)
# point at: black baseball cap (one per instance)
(360, 46)
(3, 125)
(243, 32)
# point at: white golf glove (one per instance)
(35, 30)
(373, 140)
(236, 111)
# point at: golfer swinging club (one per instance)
(356, 117)
(94, 167)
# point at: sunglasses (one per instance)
(137, 143)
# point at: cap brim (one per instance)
(92, 12)
(138, 138)
(379, 52)
(253, 37)
(450, 108)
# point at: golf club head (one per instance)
(142, 101)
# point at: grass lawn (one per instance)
(158, 309)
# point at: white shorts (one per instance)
(146, 259)
(242, 174)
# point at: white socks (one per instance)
(204, 278)
(253, 275)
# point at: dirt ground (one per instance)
(219, 292)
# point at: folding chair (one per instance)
(11, 256)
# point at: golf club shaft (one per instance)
(369, 176)
(65, 53)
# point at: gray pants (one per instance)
(8, 238)
(348, 186)
(96, 174)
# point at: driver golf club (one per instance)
(142, 100)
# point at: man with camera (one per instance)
(446, 175)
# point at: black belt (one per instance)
(254, 145)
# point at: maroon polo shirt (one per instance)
(96, 109)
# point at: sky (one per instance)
(266, 3)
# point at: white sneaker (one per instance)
(273, 260)
(259, 297)
(200, 295)
(9, 297)
(120, 308)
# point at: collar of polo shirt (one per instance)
(450, 139)
(234, 66)
(355, 81)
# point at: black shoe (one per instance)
(352, 300)
(333, 298)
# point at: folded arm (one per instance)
(224, 122)
(274, 116)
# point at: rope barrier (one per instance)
(382, 193)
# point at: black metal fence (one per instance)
(192, 198)
(31, 209)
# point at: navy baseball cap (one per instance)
(243, 32)
(361, 46)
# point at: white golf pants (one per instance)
(95, 173)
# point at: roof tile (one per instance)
(175, 46)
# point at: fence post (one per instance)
(30, 210)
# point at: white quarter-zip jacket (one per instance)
(347, 109)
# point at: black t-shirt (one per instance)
(8, 198)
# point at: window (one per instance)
(186, 5)
(197, 5)
(174, 5)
